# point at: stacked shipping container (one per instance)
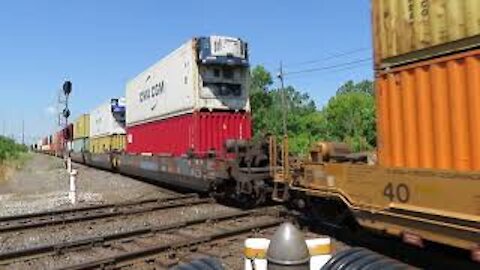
(191, 101)
(58, 143)
(81, 134)
(412, 30)
(107, 127)
(200, 131)
(428, 83)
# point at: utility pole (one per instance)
(284, 99)
(285, 161)
(23, 131)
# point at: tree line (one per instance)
(348, 117)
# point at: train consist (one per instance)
(186, 122)
(426, 185)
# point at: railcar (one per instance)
(185, 122)
(418, 205)
(425, 186)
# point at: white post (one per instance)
(69, 164)
(320, 251)
(255, 253)
(73, 187)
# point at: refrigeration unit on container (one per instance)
(413, 30)
(429, 114)
(81, 127)
(108, 119)
(200, 133)
(204, 73)
(107, 144)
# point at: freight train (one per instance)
(186, 122)
(425, 187)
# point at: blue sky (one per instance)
(99, 45)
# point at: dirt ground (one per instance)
(43, 184)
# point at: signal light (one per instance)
(67, 87)
(66, 113)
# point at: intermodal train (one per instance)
(186, 121)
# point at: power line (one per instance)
(330, 57)
(309, 62)
(344, 64)
(329, 71)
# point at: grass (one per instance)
(12, 156)
(9, 149)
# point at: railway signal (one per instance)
(65, 113)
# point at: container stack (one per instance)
(427, 80)
(191, 101)
(81, 134)
(107, 127)
(58, 143)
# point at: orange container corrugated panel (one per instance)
(423, 28)
(429, 114)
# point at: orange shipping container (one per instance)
(429, 114)
(411, 30)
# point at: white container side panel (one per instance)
(102, 122)
(174, 86)
(165, 89)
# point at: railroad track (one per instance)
(65, 216)
(117, 249)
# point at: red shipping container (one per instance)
(68, 133)
(58, 142)
(199, 132)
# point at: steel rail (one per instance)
(45, 250)
(90, 207)
(135, 255)
(116, 211)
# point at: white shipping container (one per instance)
(104, 122)
(204, 73)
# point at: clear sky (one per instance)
(100, 44)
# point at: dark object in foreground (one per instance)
(361, 258)
(207, 263)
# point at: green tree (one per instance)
(350, 115)
(304, 121)
(364, 86)
(260, 99)
(260, 81)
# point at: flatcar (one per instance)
(425, 186)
